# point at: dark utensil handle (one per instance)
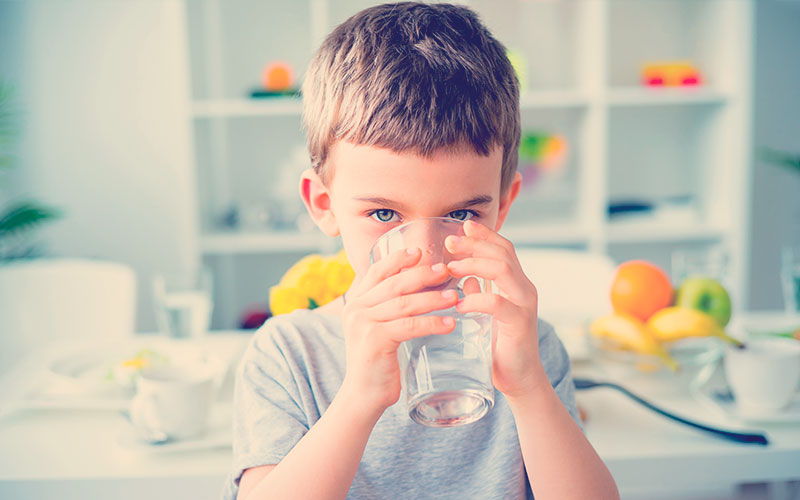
(741, 437)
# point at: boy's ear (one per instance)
(507, 199)
(317, 199)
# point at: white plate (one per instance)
(714, 394)
(218, 435)
(90, 377)
(759, 324)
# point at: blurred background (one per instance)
(165, 135)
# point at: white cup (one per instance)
(764, 375)
(174, 401)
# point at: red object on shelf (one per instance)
(670, 74)
(253, 319)
(692, 80)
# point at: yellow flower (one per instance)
(338, 276)
(284, 300)
(311, 282)
(309, 263)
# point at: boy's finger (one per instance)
(471, 246)
(389, 266)
(414, 304)
(501, 309)
(400, 330)
(508, 278)
(405, 282)
(478, 231)
(471, 285)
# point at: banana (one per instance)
(631, 333)
(674, 323)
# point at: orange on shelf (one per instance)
(640, 288)
(277, 77)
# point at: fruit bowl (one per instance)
(696, 357)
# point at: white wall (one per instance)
(106, 139)
(776, 190)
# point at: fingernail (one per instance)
(448, 321)
(449, 294)
(411, 251)
(438, 267)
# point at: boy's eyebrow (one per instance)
(478, 200)
(377, 200)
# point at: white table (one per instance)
(647, 453)
(71, 454)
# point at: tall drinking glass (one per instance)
(790, 277)
(710, 263)
(183, 303)
(446, 379)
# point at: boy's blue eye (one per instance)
(461, 214)
(383, 215)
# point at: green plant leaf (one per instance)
(24, 217)
(781, 158)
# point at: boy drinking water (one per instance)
(411, 111)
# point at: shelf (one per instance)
(566, 234)
(272, 106)
(292, 106)
(647, 96)
(534, 99)
(228, 243)
(651, 230)
(537, 99)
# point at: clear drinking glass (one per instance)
(790, 277)
(183, 302)
(447, 379)
(701, 262)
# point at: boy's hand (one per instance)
(516, 366)
(381, 311)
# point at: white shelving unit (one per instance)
(231, 108)
(627, 142)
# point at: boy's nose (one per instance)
(429, 237)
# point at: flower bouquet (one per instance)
(313, 281)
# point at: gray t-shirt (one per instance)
(293, 368)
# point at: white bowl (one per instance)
(696, 357)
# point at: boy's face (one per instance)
(373, 190)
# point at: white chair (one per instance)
(45, 300)
(573, 289)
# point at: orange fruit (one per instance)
(640, 288)
(277, 77)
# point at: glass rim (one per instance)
(399, 228)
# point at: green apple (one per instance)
(707, 295)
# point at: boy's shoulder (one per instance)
(299, 331)
(551, 350)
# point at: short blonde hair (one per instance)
(412, 77)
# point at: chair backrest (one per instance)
(43, 300)
(570, 283)
(573, 289)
